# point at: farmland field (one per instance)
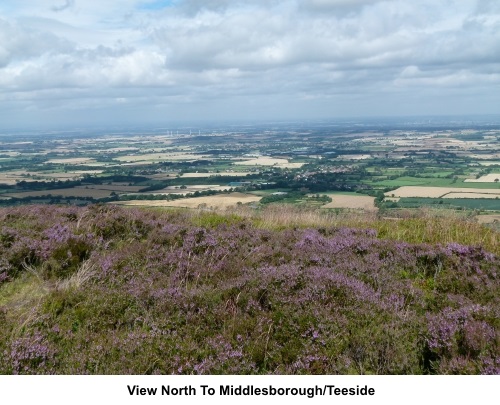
(363, 164)
(488, 178)
(454, 203)
(471, 195)
(351, 201)
(217, 202)
(119, 188)
(64, 192)
(157, 157)
(268, 161)
(72, 161)
(221, 174)
(435, 192)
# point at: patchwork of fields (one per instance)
(441, 192)
(364, 169)
(213, 202)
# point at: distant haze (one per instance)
(96, 62)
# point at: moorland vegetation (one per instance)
(103, 289)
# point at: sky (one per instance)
(124, 62)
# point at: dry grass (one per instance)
(24, 295)
(78, 279)
(488, 219)
(416, 226)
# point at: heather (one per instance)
(107, 290)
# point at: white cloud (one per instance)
(67, 4)
(223, 52)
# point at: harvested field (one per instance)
(269, 161)
(231, 174)
(65, 192)
(11, 181)
(162, 176)
(12, 177)
(122, 149)
(436, 192)
(351, 201)
(221, 201)
(488, 178)
(160, 157)
(113, 187)
(353, 157)
(72, 161)
(485, 156)
(192, 189)
(489, 163)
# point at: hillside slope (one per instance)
(108, 290)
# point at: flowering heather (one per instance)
(107, 290)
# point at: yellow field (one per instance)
(118, 188)
(436, 192)
(221, 201)
(12, 177)
(489, 163)
(353, 157)
(488, 178)
(187, 190)
(160, 157)
(12, 180)
(351, 201)
(269, 161)
(72, 161)
(190, 175)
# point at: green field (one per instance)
(453, 203)
(430, 182)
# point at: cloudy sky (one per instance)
(77, 62)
